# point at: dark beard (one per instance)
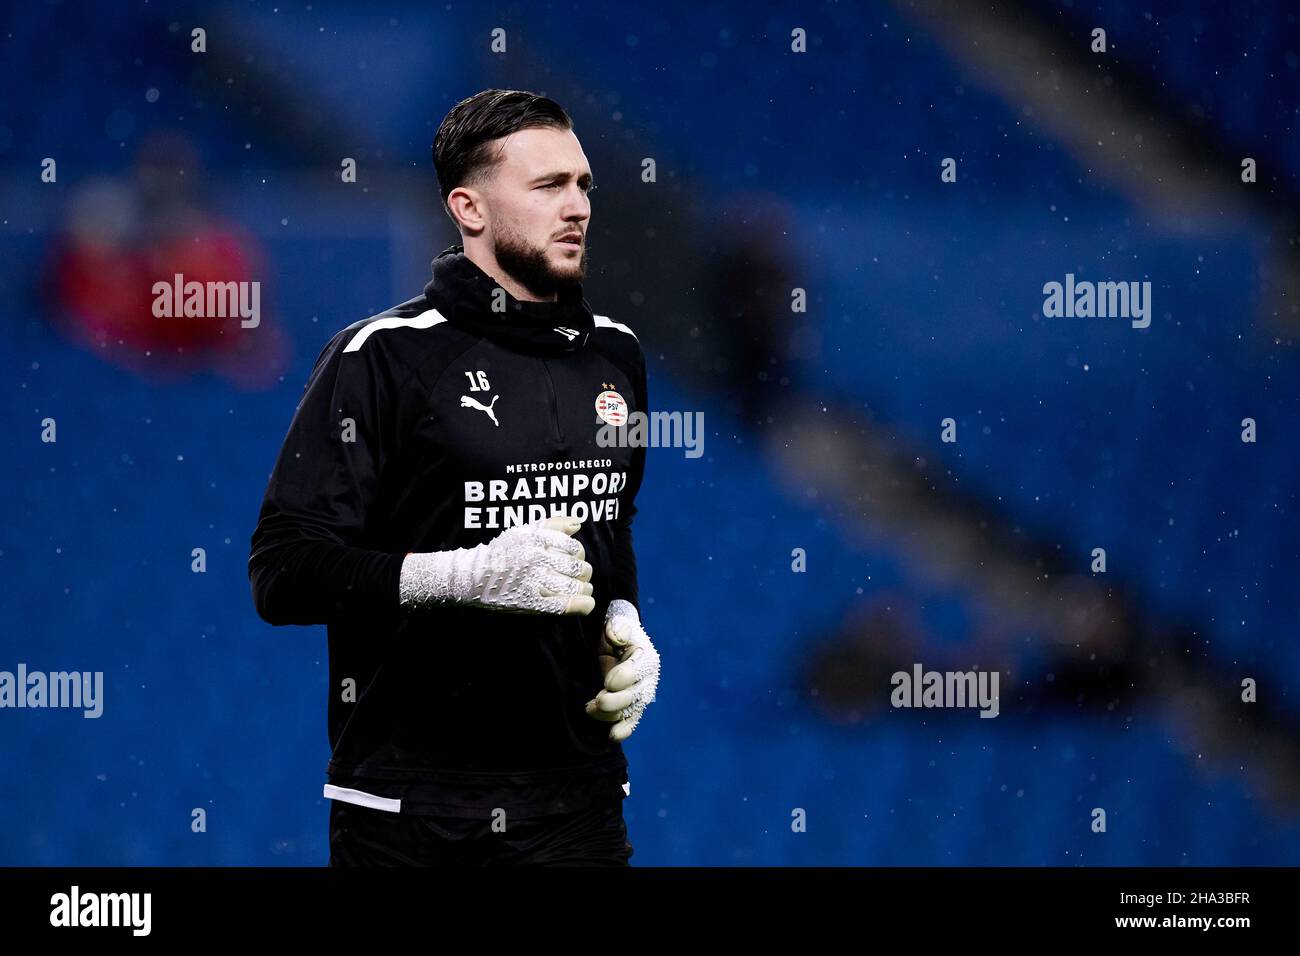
(532, 270)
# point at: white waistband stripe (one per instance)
(363, 799)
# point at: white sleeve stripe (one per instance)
(424, 320)
(606, 322)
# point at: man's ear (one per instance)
(465, 206)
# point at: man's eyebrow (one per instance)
(584, 180)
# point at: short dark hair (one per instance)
(463, 154)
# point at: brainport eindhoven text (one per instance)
(541, 491)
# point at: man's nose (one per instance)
(577, 204)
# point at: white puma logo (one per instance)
(467, 402)
(571, 334)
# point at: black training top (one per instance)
(436, 425)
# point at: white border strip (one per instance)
(363, 799)
(425, 320)
(605, 321)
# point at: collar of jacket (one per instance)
(463, 294)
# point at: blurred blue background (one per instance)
(776, 170)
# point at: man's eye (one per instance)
(585, 189)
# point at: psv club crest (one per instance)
(610, 407)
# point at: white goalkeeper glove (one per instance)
(630, 678)
(536, 568)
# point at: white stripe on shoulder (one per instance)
(605, 321)
(363, 799)
(425, 320)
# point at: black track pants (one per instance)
(362, 836)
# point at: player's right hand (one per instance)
(537, 568)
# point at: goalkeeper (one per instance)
(441, 503)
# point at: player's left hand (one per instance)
(630, 665)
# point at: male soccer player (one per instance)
(442, 503)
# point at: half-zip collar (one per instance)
(463, 294)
